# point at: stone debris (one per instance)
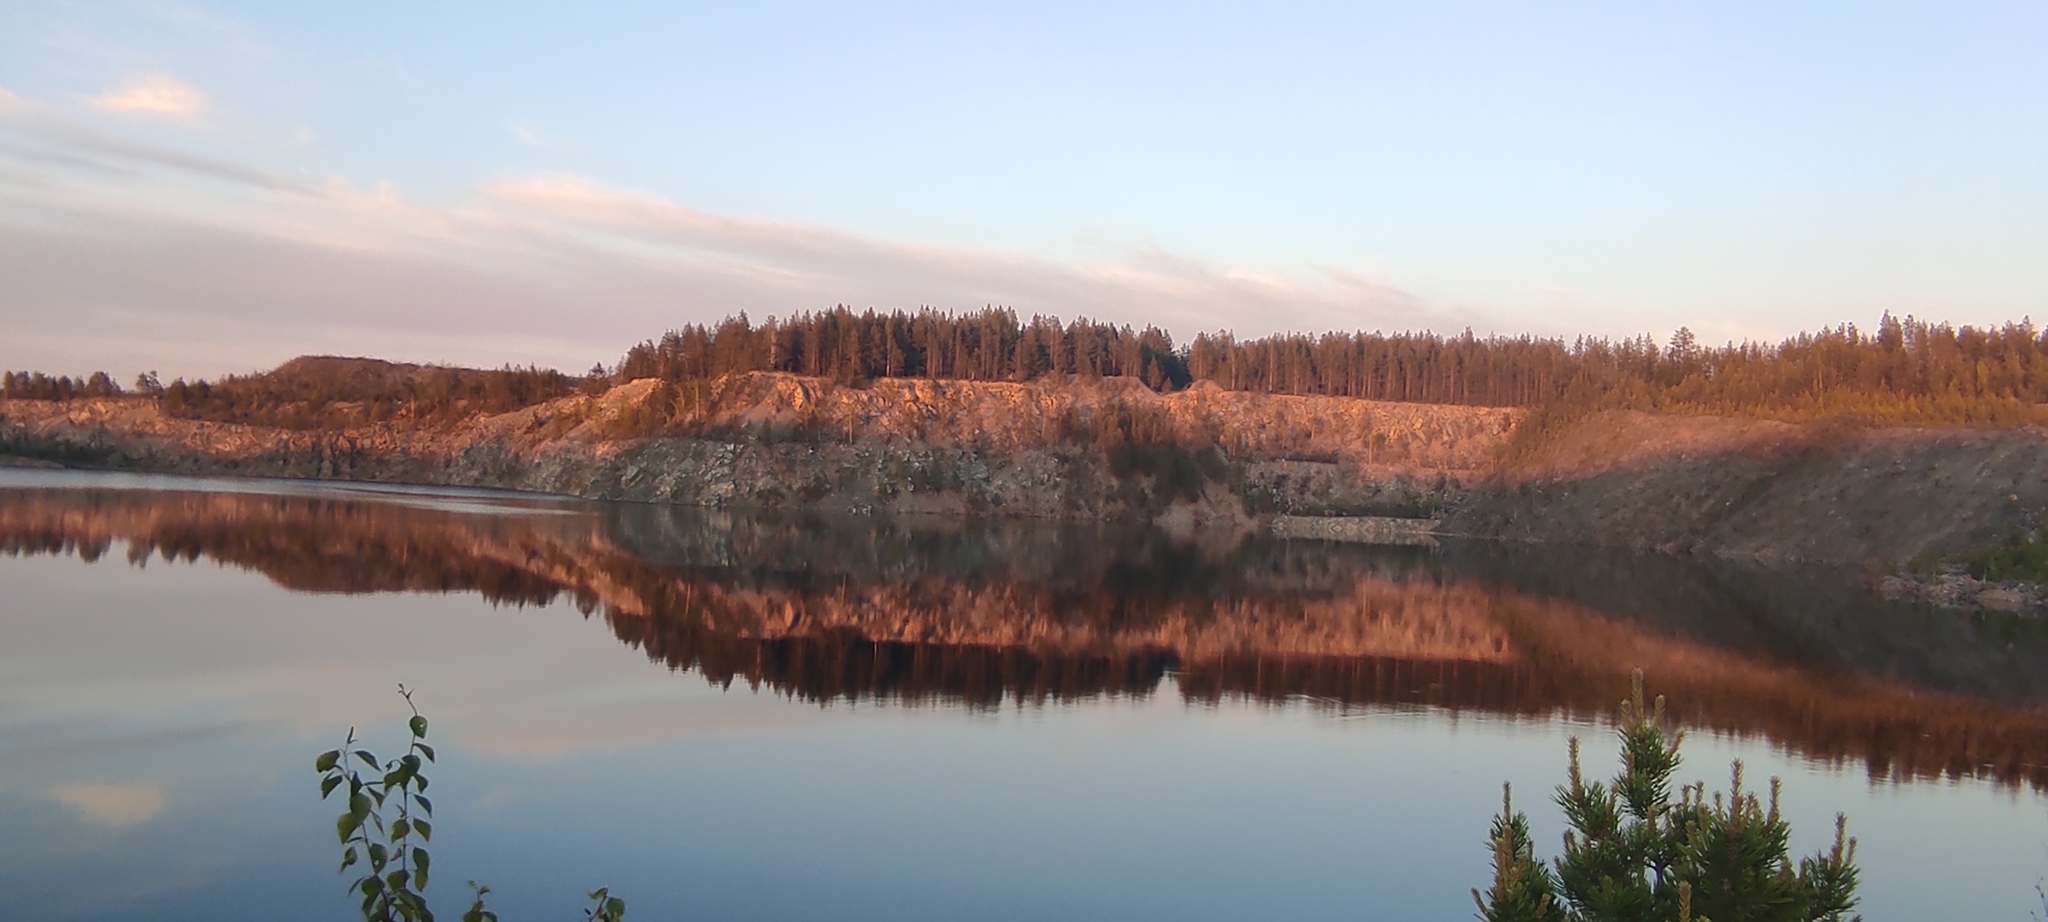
(1356, 529)
(1956, 589)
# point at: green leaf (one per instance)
(419, 725)
(398, 879)
(422, 783)
(348, 857)
(425, 829)
(426, 806)
(368, 759)
(346, 826)
(399, 828)
(477, 912)
(327, 760)
(328, 784)
(359, 806)
(379, 856)
(425, 750)
(422, 859)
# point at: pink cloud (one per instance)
(154, 94)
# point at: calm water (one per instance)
(724, 718)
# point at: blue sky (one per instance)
(209, 188)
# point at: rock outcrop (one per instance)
(1879, 499)
(1112, 449)
(1049, 449)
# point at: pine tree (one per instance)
(1633, 854)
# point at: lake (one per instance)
(725, 717)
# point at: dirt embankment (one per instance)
(1881, 499)
(1051, 449)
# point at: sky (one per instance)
(212, 188)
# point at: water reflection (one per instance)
(989, 614)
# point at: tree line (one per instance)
(1904, 370)
(34, 385)
(337, 393)
(986, 345)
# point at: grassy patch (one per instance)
(2022, 556)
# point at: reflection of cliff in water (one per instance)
(984, 613)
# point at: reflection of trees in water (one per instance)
(986, 615)
(1572, 664)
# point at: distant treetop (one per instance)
(1907, 371)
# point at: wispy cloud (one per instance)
(116, 805)
(528, 135)
(1144, 283)
(153, 94)
(218, 33)
(113, 257)
(38, 134)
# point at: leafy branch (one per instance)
(395, 862)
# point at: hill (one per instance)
(1074, 448)
(1910, 445)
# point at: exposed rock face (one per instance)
(1774, 492)
(1769, 491)
(1034, 450)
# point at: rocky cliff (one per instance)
(1112, 449)
(1881, 499)
(1049, 449)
